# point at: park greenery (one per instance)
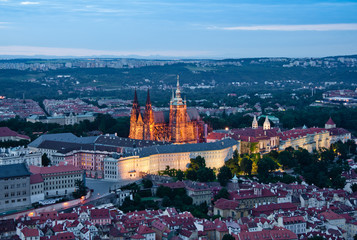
(322, 168)
(103, 123)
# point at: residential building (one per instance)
(230, 209)
(296, 224)
(199, 192)
(257, 195)
(58, 180)
(29, 234)
(14, 186)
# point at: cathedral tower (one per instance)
(178, 117)
(148, 119)
(135, 120)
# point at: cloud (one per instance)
(81, 52)
(29, 3)
(4, 24)
(306, 27)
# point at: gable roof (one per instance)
(28, 232)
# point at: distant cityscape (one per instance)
(232, 167)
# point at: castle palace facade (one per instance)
(178, 125)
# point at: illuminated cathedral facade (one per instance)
(178, 125)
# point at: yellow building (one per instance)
(306, 138)
(153, 159)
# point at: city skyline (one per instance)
(182, 29)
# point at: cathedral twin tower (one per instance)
(178, 125)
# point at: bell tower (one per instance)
(135, 124)
(255, 123)
(266, 125)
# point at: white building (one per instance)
(58, 180)
(150, 160)
(20, 155)
(296, 224)
(36, 188)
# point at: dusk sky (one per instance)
(179, 28)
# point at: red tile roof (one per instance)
(28, 232)
(54, 169)
(7, 132)
(329, 215)
(297, 133)
(330, 122)
(226, 204)
(36, 178)
(142, 230)
(293, 220)
(99, 214)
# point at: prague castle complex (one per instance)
(178, 125)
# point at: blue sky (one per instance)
(179, 28)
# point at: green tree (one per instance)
(166, 202)
(187, 200)
(197, 163)
(205, 175)
(80, 189)
(265, 166)
(286, 159)
(246, 165)
(45, 160)
(191, 175)
(147, 183)
(228, 237)
(163, 191)
(223, 193)
(224, 175)
(180, 175)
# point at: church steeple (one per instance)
(178, 90)
(135, 98)
(148, 101)
(255, 123)
(148, 115)
(177, 99)
(266, 125)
